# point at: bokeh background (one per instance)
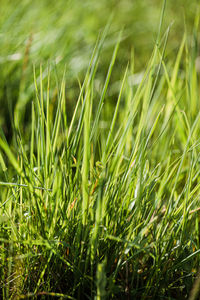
(63, 34)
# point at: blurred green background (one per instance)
(63, 33)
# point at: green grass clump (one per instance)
(104, 204)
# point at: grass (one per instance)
(102, 201)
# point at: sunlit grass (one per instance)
(105, 204)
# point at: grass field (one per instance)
(99, 150)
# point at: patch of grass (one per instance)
(103, 202)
